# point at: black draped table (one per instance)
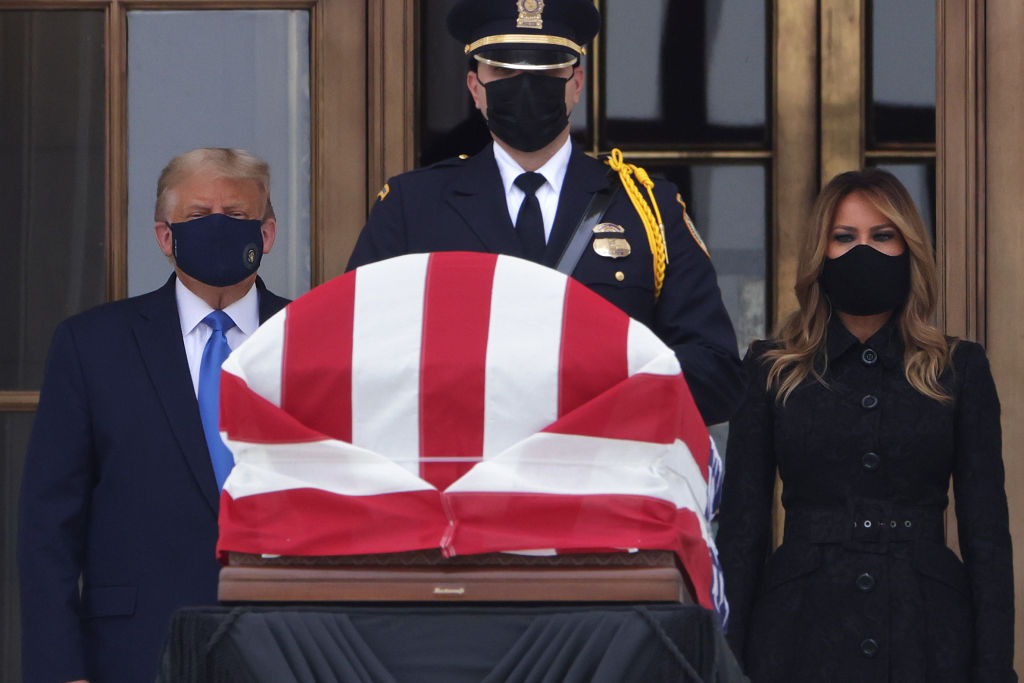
(449, 644)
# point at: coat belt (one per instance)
(865, 521)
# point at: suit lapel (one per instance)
(158, 334)
(478, 196)
(584, 177)
(269, 303)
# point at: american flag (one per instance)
(469, 402)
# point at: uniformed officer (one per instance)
(533, 194)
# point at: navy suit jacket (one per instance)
(459, 205)
(118, 489)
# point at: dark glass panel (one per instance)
(52, 170)
(901, 99)
(685, 73)
(449, 123)
(728, 206)
(919, 179)
(14, 431)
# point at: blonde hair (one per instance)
(801, 336)
(236, 164)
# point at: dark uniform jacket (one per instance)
(118, 489)
(459, 205)
(863, 587)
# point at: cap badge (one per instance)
(612, 247)
(530, 12)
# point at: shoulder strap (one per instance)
(581, 235)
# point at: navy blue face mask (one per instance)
(218, 250)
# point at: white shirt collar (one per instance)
(191, 309)
(553, 170)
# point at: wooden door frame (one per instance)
(980, 170)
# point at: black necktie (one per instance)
(529, 222)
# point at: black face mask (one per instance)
(527, 111)
(864, 281)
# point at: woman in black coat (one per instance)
(867, 410)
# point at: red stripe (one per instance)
(654, 408)
(493, 522)
(592, 356)
(247, 416)
(315, 522)
(456, 316)
(316, 374)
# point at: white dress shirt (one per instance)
(547, 194)
(195, 333)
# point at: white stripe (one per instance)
(570, 464)
(716, 479)
(387, 333)
(647, 353)
(523, 346)
(258, 360)
(328, 465)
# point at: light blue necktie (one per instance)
(214, 354)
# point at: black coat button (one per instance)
(869, 401)
(865, 582)
(871, 461)
(869, 357)
(869, 647)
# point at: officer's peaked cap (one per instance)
(525, 34)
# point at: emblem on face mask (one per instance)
(612, 247)
(250, 256)
(530, 12)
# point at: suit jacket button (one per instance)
(869, 647)
(869, 402)
(870, 461)
(866, 582)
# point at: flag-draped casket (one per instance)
(469, 402)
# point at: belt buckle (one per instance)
(873, 521)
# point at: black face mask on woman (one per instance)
(864, 281)
(527, 111)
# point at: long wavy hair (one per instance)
(800, 338)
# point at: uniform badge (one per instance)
(608, 227)
(612, 247)
(693, 230)
(530, 12)
(383, 192)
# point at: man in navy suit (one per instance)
(118, 516)
(527, 193)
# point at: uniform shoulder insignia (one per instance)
(691, 227)
(384, 192)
